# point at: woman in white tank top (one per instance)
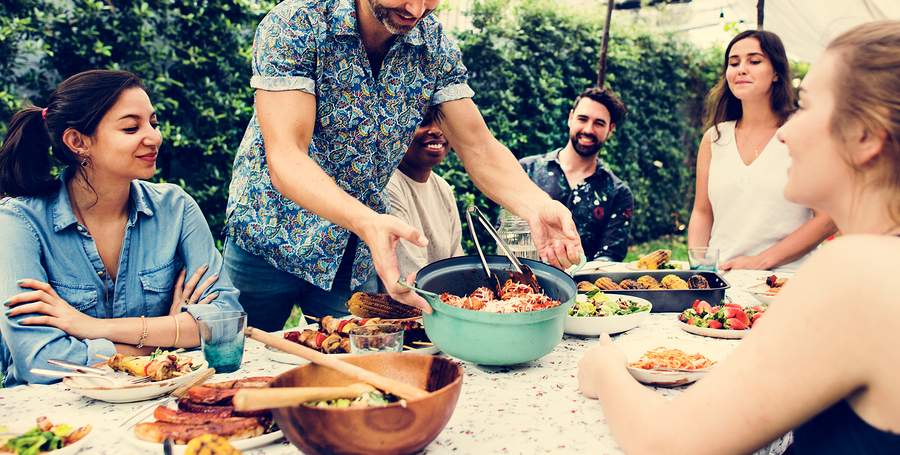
(739, 207)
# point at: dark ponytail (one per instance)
(79, 103)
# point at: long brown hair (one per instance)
(80, 102)
(867, 94)
(723, 106)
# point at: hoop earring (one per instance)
(83, 163)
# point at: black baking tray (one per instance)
(666, 300)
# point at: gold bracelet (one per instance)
(177, 331)
(144, 333)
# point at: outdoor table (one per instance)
(534, 407)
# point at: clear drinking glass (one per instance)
(517, 235)
(222, 339)
(706, 259)
(372, 338)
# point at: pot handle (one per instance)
(582, 261)
(421, 292)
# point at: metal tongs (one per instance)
(523, 273)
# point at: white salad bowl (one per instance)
(595, 325)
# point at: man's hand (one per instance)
(382, 236)
(555, 236)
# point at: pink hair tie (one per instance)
(44, 114)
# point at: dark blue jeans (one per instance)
(268, 295)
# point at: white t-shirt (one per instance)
(431, 208)
(750, 213)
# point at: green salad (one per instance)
(597, 304)
(367, 399)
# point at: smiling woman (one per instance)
(95, 259)
(739, 208)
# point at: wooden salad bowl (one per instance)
(391, 429)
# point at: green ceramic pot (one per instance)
(492, 338)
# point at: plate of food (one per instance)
(59, 439)
(728, 320)
(766, 292)
(692, 358)
(331, 336)
(657, 260)
(168, 370)
(244, 430)
(594, 313)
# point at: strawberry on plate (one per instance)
(726, 320)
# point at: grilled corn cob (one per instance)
(372, 305)
(606, 284)
(586, 286)
(698, 282)
(673, 282)
(210, 444)
(631, 284)
(655, 260)
(649, 282)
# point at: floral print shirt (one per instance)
(363, 127)
(601, 204)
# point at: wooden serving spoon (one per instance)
(284, 397)
(393, 386)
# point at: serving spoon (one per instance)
(393, 386)
(522, 274)
(284, 397)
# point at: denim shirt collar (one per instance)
(343, 22)
(63, 216)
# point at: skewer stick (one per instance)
(311, 318)
(393, 386)
(408, 347)
(423, 343)
(101, 356)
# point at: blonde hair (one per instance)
(867, 94)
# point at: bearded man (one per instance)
(600, 203)
(340, 88)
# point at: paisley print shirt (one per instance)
(363, 127)
(601, 204)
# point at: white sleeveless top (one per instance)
(750, 213)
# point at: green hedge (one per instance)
(528, 60)
(527, 63)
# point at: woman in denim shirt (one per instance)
(94, 261)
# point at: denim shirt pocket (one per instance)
(82, 297)
(157, 284)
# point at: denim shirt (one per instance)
(601, 204)
(42, 240)
(362, 129)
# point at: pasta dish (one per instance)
(671, 358)
(514, 297)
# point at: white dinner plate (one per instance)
(124, 391)
(633, 266)
(154, 447)
(712, 333)
(761, 292)
(634, 349)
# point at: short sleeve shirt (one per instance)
(601, 204)
(363, 127)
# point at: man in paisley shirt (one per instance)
(340, 88)
(601, 204)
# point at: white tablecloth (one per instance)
(534, 407)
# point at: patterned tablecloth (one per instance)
(533, 407)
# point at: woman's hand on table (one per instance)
(53, 310)
(596, 362)
(746, 262)
(189, 293)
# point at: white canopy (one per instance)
(807, 26)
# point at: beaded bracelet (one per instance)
(144, 334)
(177, 331)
